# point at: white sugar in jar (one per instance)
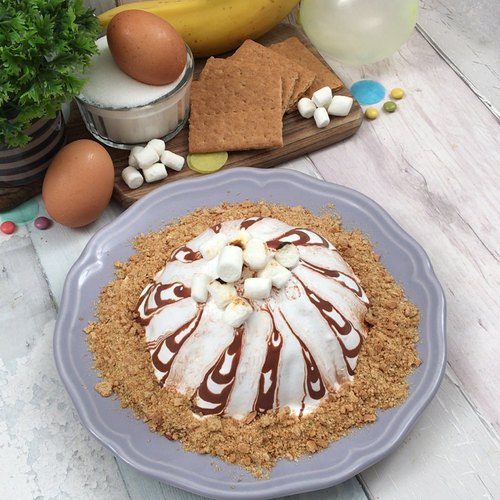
(122, 112)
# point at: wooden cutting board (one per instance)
(300, 136)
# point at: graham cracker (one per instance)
(296, 51)
(226, 66)
(236, 110)
(294, 75)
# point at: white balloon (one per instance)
(358, 31)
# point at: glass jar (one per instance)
(162, 115)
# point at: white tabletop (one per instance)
(434, 166)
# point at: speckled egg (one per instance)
(146, 47)
(78, 184)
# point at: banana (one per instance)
(211, 27)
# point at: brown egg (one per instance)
(146, 47)
(78, 184)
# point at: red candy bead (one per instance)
(7, 227)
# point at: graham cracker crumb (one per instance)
(105, 389)
(387, 357)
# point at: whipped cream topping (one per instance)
(299, 344)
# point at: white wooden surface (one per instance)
(442, 152)
(434, 166)
(466, 34)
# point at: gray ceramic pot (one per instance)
(26, 164)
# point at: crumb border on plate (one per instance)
(387, 357)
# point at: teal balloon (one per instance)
(358, 31)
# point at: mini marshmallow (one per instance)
(172, 160)
(230, 263)
(287, 256)
(155, 172)
(240, 239)
(132, 160)
(340, 105)
(322, 97)
(321, 117)
(237, 312)
(146, 157)
(199, 287)
(257, 288)
(213, 246)
(222, 293)
(132, 177)
(278, 274)
(255, 254)
(158, 145)
(306, 107)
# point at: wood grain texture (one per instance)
(467, 35)
(10, 197)
(434, 166)
(44, 451)
(450, 454)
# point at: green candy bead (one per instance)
(390, 106)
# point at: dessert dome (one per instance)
(254, 315)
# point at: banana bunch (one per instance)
(211, 27)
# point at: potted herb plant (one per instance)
(44, 47)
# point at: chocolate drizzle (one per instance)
(162, 294)
(185, 254)
(220, 375)
(250, 221)
(344, 279)
(314, 386)
(171, 342)
(313, 382)
(328, 311)
(267, 394)
(213, 394)
(300, 237)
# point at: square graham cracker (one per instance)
(294, 75)
(228, 66)
(296, 51)
(236, 111)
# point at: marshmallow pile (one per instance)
(265, 271)
(324, 104)
(153, 159)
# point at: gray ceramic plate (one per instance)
(157, 457)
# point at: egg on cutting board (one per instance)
(78, 183)
(146, 47)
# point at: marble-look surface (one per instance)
(433, 165)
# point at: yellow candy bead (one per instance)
(397, 93)
(371, 113)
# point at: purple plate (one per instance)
(154, 455)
